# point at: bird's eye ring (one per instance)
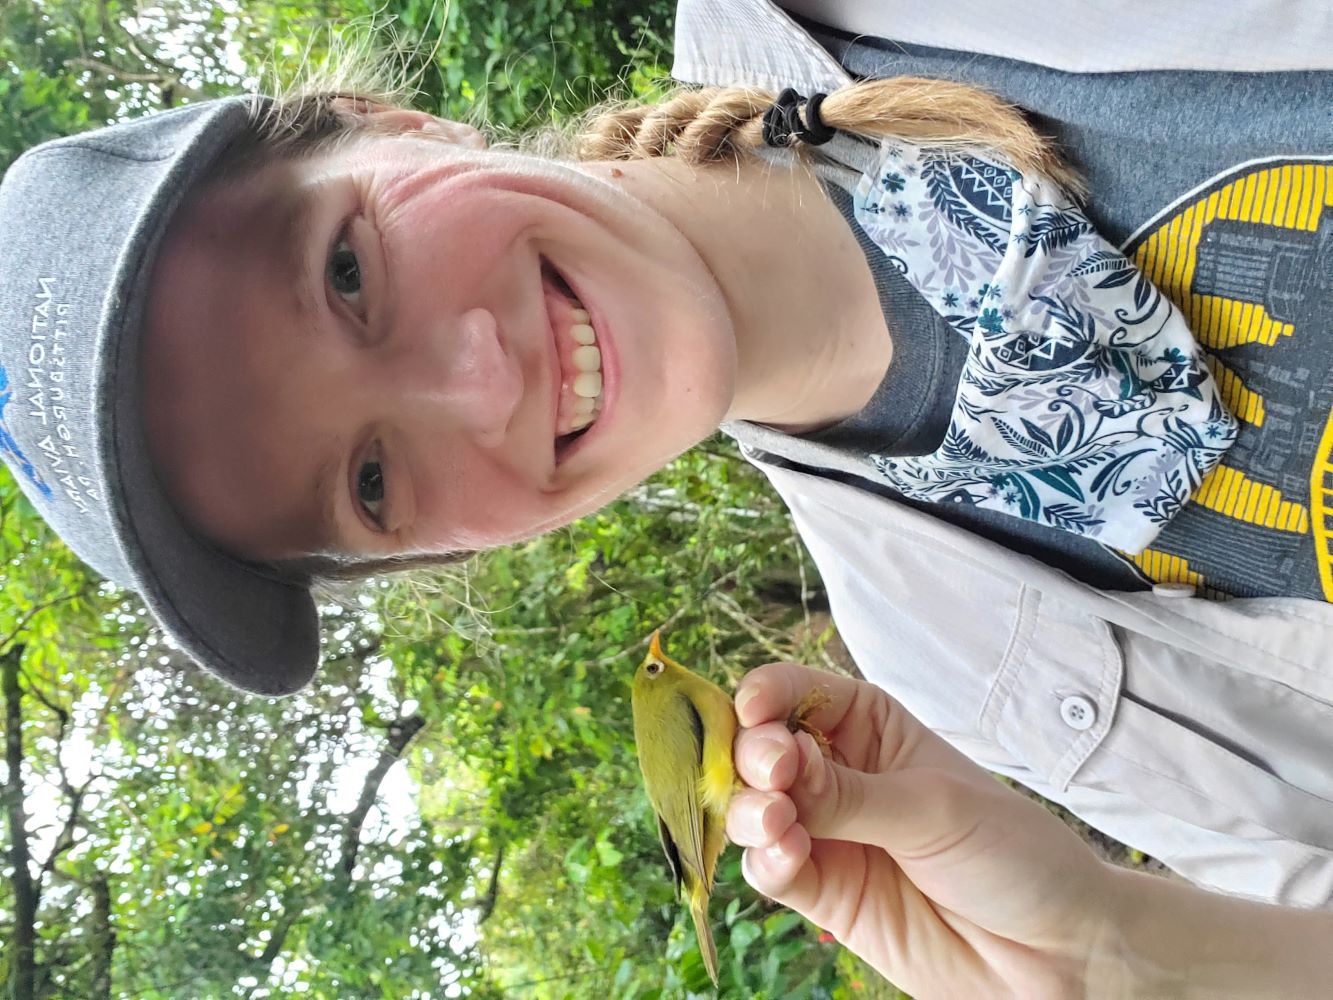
(654, 667)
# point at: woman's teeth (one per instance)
(587, 384)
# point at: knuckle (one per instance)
(849, 795)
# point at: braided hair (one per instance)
(718, 124)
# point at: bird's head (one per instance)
(656, 665)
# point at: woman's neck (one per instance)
(811, 340)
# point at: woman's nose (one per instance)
(464, 376)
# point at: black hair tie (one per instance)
(782, 121)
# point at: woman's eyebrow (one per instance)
(295, 232)
(325, 522)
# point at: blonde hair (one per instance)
(715, 124)
(324, 102)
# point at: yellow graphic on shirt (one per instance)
(1237, 495)
(1321, 493)
(1160, 566)
(1240, 262)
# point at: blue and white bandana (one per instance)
(1084, 403)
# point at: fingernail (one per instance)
(747, 816)
(755, 870)
(768, 756)
(747, 872)
(745, 697)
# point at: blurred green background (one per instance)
(455, 809)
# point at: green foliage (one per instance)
(519, 65)
(68, 65)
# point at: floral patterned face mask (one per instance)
(1084, 403)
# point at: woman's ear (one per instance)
(390, 119)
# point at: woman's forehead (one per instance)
(260, 191)
(224, 331)
(285, 188)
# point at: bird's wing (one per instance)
(718, 771)
(675, 794)
(671, 852)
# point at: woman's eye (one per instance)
(370, 489)
(344, 273)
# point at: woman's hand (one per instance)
(946, 881)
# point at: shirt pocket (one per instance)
(1155, 776)
(1054, 698)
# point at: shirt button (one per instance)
(1173, 589)
(1078, 713)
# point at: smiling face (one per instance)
(395, 347)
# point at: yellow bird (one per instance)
(684, 726)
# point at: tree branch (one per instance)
(274, 948)
(493, 890)
(136, 46)
(65, 840)
(583, 973)
(33, 612)
(103, 935)
(291, 913)
(116, 73)
(23, 970)
(75, 795)
(401, 732)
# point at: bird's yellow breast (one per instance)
(717, 782)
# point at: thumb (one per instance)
(912, 812)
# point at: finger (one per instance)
(909, 813)
(811, 772)
(759, 819)
(766, 757)
(770, 693)
(781, 868)
(832, 883)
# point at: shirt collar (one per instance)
(722, 43)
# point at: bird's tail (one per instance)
(699, 911)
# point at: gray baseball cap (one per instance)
(81, 219)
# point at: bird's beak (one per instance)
(655, 644)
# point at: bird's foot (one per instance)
(799, 719)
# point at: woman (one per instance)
(247, 344)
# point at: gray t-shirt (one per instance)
(1220, 187)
